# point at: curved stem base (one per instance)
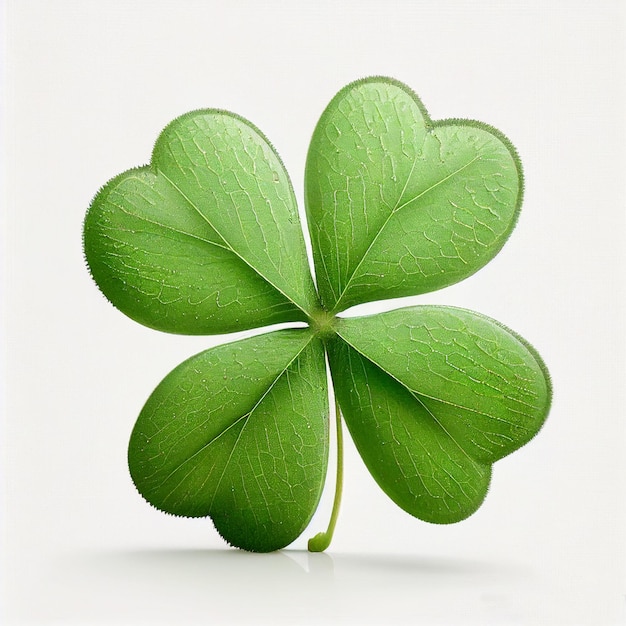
(322, 540)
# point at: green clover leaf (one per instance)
(207, 239)
(398, 205)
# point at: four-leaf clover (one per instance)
(207, 239)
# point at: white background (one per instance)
(88, 87)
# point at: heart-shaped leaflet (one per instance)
(399, 205)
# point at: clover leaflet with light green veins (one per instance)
(207, 239)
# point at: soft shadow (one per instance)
(228, 563)
(223, 562)
(224, 586)
(425, 566)
(184, 586)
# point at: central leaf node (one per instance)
(323, 323)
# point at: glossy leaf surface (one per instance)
(432, 396)
(206, 239)
(399, 205)
(239, 432)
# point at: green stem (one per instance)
(322, 540)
